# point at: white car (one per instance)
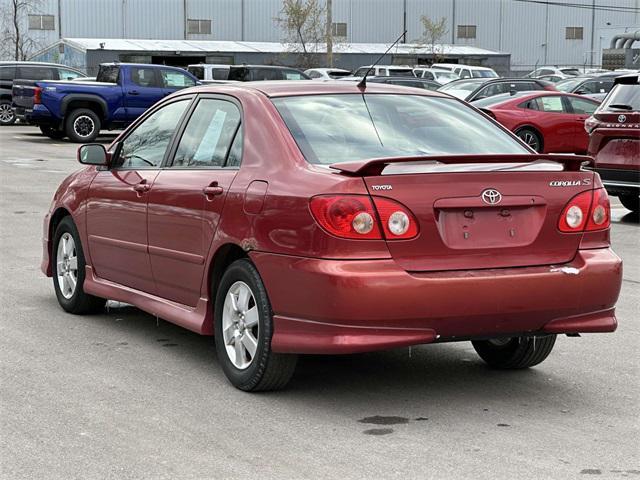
(209, 71)
(385, 71)
(466, 71)
(327, 73)
(562, 72)
(435, 74)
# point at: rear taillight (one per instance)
(354, 216)
(346, 216)
(398, 223)
(37, 95)
(590, 124)
(587, 211)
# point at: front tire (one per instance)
(7, 116)
(516, 352)
(243, 330)
(630, 202)
(68, 262)
(82, 125)
(51, 132)
(531, 138)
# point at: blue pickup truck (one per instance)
(80, 109)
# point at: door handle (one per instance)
(142, 187)
(134, 92)
(212, 190)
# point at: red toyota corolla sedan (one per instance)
(549, 122)
(327, 218)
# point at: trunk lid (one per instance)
(482, 215)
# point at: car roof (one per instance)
(270, 67)
(35, 64)
(327, 69)
(542, 93)
(284, 88)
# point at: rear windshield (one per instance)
(338, 73)
(570, 71)
(461, 86)
(400, 72)
(484, 74)
(342, 128)
(623, 97)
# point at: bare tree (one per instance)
(16, 42)
(433, 33)
(305, 29)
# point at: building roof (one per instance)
(210, 46)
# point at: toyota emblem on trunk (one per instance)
(622, 118)
(491, 196)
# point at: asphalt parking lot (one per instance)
(125, 395)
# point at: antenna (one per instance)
(363, 83)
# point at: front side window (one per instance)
(146, 145)
(582, 106)
(144, 77)
(341, 128)
(197, 72)
(208, 136)
(173, 79)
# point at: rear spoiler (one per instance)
(375, 166)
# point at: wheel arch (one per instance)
(91, 102)
(536, 130)
(224, 256)
(55, 219)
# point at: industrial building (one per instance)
(561, 32)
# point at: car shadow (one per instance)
(449, 375)
(632, 218)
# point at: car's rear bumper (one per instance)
(619, 181)
(337, 306)
(38, 115)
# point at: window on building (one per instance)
(339, 29)
(199, 27)
(466, 31)
(574, 33)
(42, 22)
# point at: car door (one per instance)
(142, 89)
(554, 120)
(173, 80)
(118, 197)
(187, 197)
(581, 109)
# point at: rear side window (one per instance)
(68, 74)
(144, 77)
(37, 73)
(266, 74)
(524, 86)
(174, 79)
(220, 73)
(551, 104)
(208, 136)
(108, 74)
(7, 73)
(340, 128)
(530, 104)
(197, 72)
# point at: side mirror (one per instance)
(93, 154)
(580, 92)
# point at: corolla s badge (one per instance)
(491, 196)
(622, 118)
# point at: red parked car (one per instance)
(289, 218)
(549, 122)
(615, 141)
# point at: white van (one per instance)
(209, 71)
(385, 71)
(467, 71)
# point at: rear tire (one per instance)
(7, 115)
(631, 202)
(531, 138)
(68, 268)
(516, 352)
(242, 309)
(51, 132)
(82, 125)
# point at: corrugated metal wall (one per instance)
(532, 33)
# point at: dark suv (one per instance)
(10, 71)
(614, 141)
(252, 73)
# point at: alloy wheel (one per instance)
(83, 126)
(530, 139)
(67, 265)
(6, 113)
(240, 326)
